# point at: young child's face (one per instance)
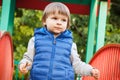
(56, 23)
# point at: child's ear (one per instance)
(44, 23)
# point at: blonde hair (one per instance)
(58, 7)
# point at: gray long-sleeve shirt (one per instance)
(79, 66)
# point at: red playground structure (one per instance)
(106, 58)
(6, 57)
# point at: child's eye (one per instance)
(54, 18)
(64, 20)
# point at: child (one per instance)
(51, 53)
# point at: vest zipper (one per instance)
(54, 42)
(52, 59)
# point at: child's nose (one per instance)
(59, 22)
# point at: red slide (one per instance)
(107, 60)
(6, 56)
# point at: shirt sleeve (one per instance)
(79, 66)
(29, 54)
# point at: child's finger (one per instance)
(96, 78)
(28, 66)
(22, 67)
(96, 74)
(24, 71)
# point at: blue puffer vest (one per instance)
(52, 56)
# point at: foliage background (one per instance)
(26, 20)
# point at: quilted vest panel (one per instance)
(52, 56)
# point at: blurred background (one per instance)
(27, 20)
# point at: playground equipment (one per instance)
(6, 57)
(107, 60)
(96, 9)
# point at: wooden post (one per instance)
(101, 25)
(91, 30)
(7, 16)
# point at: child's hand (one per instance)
(23, 67)
(95, 73)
